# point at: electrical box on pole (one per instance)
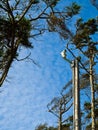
(76, 96)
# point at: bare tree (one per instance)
(59, 106)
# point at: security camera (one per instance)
(63, 54)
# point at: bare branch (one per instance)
(17, 3)
(26, 10)
(10, 11)
(77, 57)
(39, 16)
(37, 34)
(23, 58)
(53, 113)
(95, 3)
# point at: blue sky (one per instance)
(29, 88)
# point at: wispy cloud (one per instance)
(24, 99)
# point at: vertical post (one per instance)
(76, 96)
(73, 83)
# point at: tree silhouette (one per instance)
(21, 21)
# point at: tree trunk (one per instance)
(92, 91)
(60, 119)
(8, 65)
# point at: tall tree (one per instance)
(21, 21)
(85, 43)
(87, 111)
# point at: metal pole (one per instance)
(76, 96)
(73, 82)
